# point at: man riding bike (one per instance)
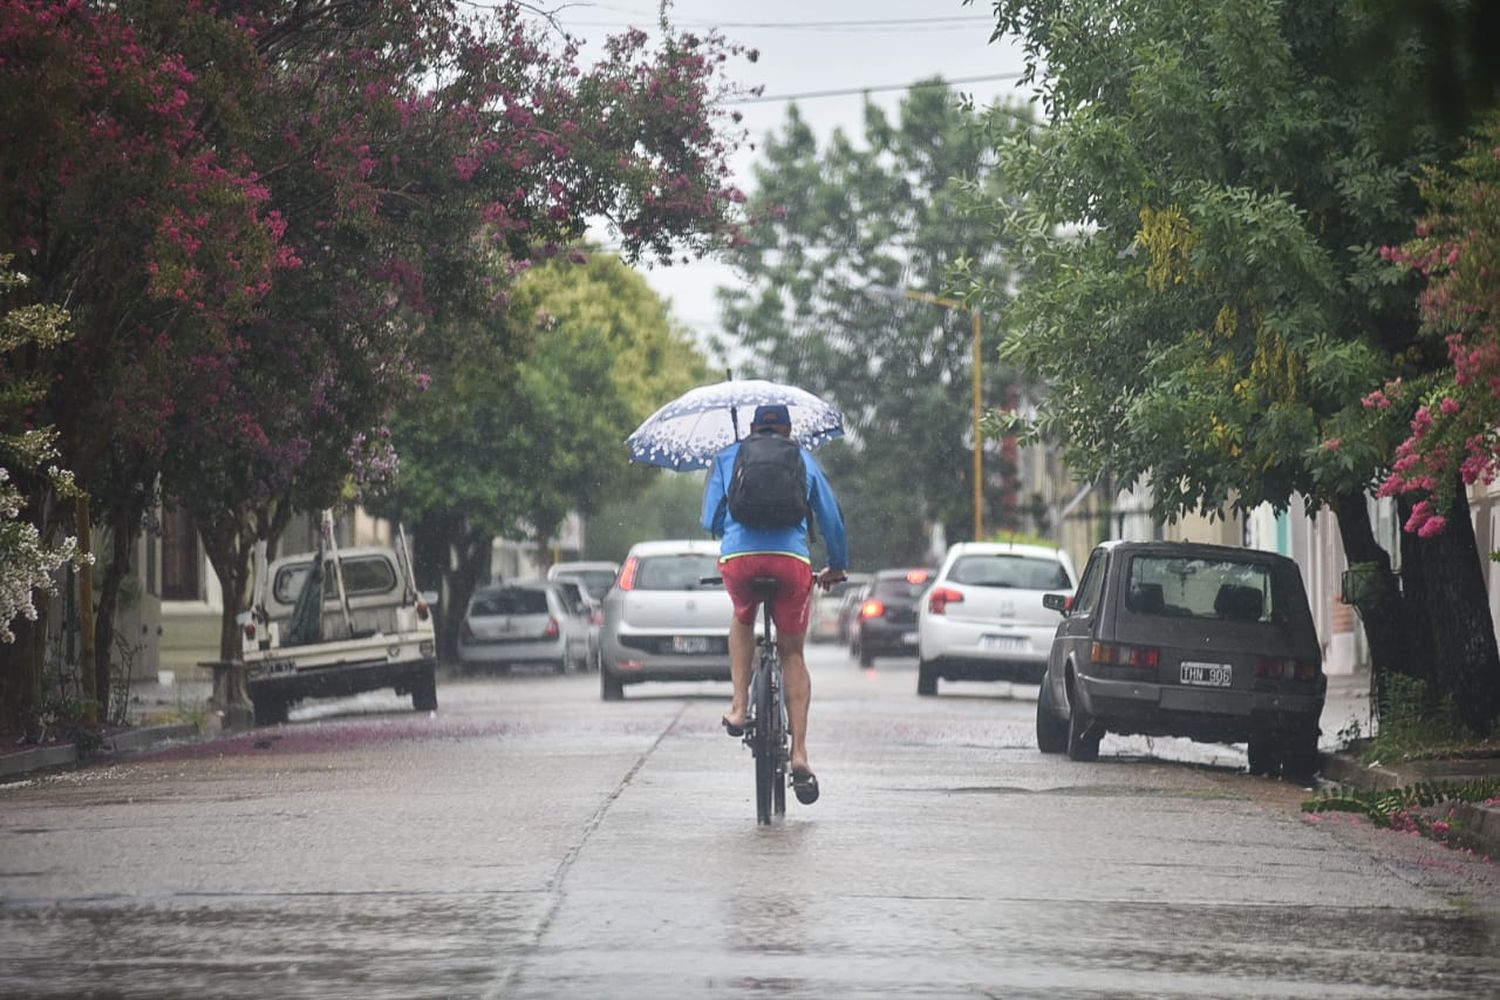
(781, 550)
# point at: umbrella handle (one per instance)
(734, 411)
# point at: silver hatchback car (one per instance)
(661, 622)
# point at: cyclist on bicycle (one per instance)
(747, 552)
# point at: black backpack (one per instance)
(768, 488)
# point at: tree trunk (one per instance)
(225, 544)
(1444, 580)
(21, 669)
(1382, 608)
(122, 541)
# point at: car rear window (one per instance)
(1021, 572)
(363, 575)
(509, 601)
(898, 589)
(1224, 590)
(682, 572)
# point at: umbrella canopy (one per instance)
(690, 430)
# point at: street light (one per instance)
(897, 294)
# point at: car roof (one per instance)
(892, 574)
(679, 547)
(491, 588)
(349, 553)
(1196, 550)
(1003, 548)
(562, 568)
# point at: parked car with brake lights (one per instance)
(983, 619)
(824, 620)
(661, 622)
(886, 622)
(1206, 642)
(527, 622)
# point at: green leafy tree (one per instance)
(522, 426)
(1203, 214)
(877, 211)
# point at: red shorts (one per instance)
(790, 608)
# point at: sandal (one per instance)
(805, 784)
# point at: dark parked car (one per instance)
(1206, 642)
(886, 623)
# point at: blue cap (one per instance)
(771, 415)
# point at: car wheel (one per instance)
(611, 688)
(1051, 732)
(1083, 732)
(424, 691)
(1261, 753)
(269, 711)
(926, 678)
(1299, 754)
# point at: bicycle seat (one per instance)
(765, 587)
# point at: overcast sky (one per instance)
(809, 46)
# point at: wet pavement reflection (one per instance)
(529, 840)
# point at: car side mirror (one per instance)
(1062, 603)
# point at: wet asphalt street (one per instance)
(530, 840)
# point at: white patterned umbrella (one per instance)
(690, 430)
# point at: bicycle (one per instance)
(766, 729)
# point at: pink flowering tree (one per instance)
(266, 217)
(1454, 432)
(156, 240)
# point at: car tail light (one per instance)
(596, 617)
(1114, 655)
(918, 575)
(872, 609)
(423, 611)
(940, 598)
(627, 574)
(628, 664)
(553, 630)
(1288, 669)
(250, 631)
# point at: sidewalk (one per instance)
(159, 714)
(1476, 824)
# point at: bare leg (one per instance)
(741, 651)
(798, 694)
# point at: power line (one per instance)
(888, 23)
(848, 91)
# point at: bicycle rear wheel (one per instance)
(765, 743)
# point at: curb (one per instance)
(1479, 824)
(36, 760)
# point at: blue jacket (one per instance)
(739, 539)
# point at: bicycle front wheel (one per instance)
(765, 746)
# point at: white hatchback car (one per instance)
(983, 619)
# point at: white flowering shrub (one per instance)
(27, 562)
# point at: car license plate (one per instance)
(910, 638)
(1004, 643)
(1206, 674)
(689, 644)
